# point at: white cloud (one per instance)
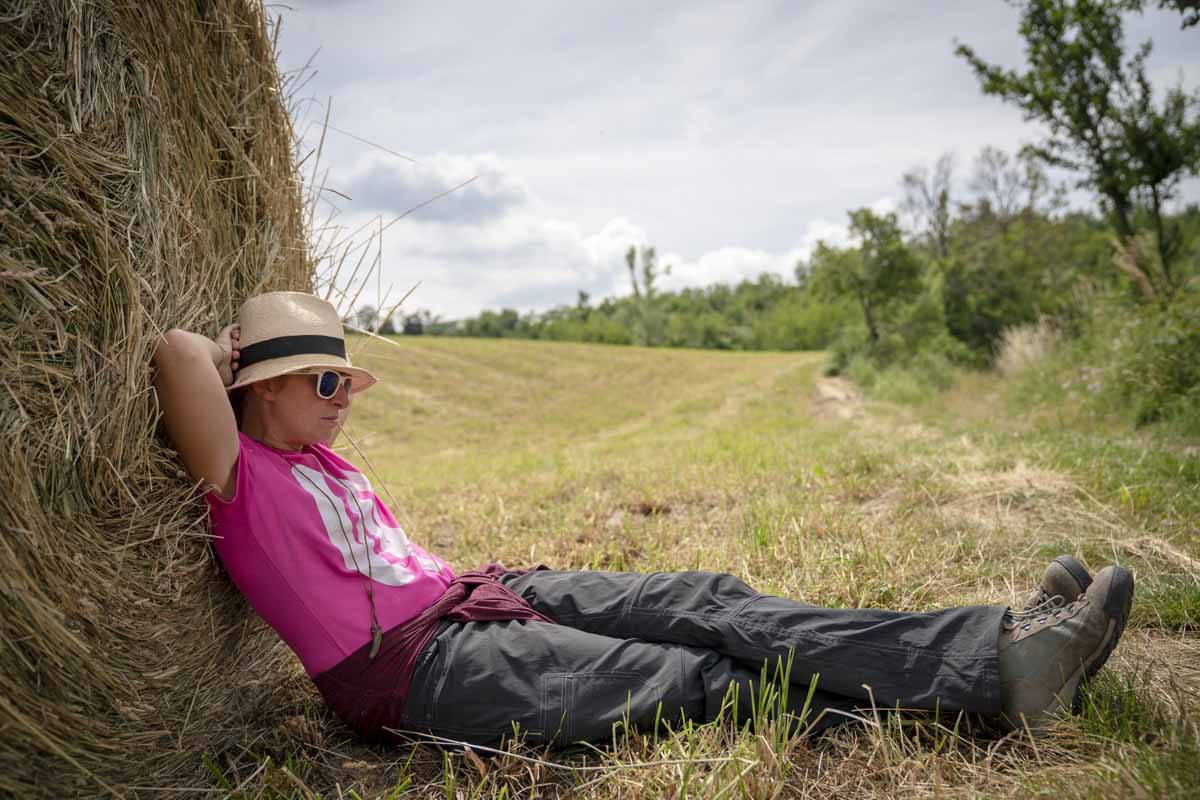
(834, 234)
(727, 265)
(389, 184)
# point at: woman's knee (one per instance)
(707, 593)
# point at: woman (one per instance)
(396, 641)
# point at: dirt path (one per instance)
(836, 398)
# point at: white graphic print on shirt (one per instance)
(386, 546)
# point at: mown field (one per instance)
(594, 457)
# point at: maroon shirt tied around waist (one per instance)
(369, 694)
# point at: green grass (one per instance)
(526, 452)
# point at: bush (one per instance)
(803, 322)
(916, 341)
(1160, 372)
(926, 372)
(998, 279)
(1134, 360)
(850, 344)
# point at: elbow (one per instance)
(172, 347)
(175, 336)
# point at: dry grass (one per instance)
(147, 180)
(1023, 347)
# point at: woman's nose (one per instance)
(341, 398)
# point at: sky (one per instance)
(732, 136)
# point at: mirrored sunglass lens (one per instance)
(327, 383)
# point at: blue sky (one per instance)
(732, 136)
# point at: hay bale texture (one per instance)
(147, 179)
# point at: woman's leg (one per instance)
(945, 659)
(563, 685)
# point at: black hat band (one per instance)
(284, 346)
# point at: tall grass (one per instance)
(1025, 347)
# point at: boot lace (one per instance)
(1041, 598)
(1051, 607)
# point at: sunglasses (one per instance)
(328, 382)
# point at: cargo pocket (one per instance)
(584, 706)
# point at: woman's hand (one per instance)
(229, 340)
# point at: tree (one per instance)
(1008, 186)
(927, 199)
(880, 273)
(647, 324)
(649, 259)
(420, 322)
(1190, 9)
(365, 318)
(1100, 111)
(631, 262)
(505, 323)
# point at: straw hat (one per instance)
(283, 332)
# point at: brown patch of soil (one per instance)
(836, 398)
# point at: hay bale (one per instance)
(147, 179)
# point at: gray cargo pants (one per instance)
(668, 646)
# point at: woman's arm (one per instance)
(191, 373)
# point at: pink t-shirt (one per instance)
(303, 537)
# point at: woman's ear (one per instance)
(266, 389)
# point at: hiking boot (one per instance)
(1064, 581)
(1047, 653)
